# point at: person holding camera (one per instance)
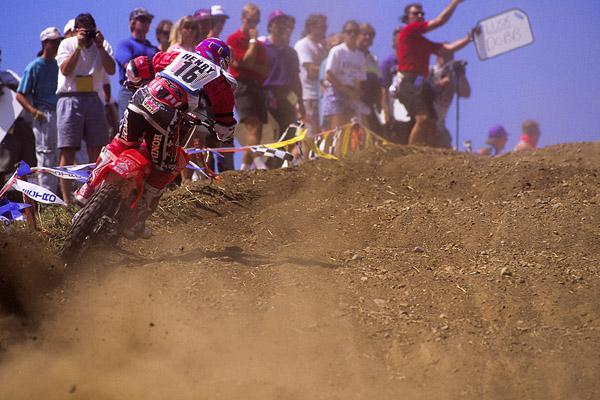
(411, 86)
(83, 61)
(447, 77)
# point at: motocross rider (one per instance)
(180, 82)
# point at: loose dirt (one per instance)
(397, 273)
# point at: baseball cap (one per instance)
(218, 11)
(497, 131)
(69, 26)
(140, 12)
(51, 33)
(278, 14)
(202, 14)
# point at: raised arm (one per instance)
(444, 15)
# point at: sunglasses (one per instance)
(352, 31)
(165, 32)
(417, 13)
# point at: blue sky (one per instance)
(555, 81)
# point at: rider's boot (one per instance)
(144, 208)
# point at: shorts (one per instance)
(311, 119)
(81, 116)
(282, 104)
(250, 100)
(416, 94)
(336, 103)
(17, 145)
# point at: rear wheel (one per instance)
(97, 221)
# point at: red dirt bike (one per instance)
(111, 208)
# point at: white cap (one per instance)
(50, 34)
(218, 11)
(69, 26)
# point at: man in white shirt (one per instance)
(312, 51)
(83, 61)
(345, 70)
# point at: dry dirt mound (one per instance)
(397, 273)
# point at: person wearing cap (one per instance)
(530, 136)
(283, 86)
(135, 46)
(312, 51)
(204, 23)
(37, 94)
(250, 68)
(83, 61)
(414, 50)
(495, 142)
(448, 77)
(218, 19)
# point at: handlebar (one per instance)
(195, 119)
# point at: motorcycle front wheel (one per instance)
(97, 221)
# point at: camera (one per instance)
(459, 67)
(90, 35)
(455, 67)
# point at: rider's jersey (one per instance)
(191, 71)
(181, 78)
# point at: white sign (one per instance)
(37, 193)
(503, 33)
(9, 110)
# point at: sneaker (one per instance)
(259, 163)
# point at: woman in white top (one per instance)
(344, 71)
(185, 34)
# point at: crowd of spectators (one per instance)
(326, 81)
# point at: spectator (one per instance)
(447, 77)
(218, 19)
(373, 94)
(397, 123)
(37, 94)
(250, 68)
(283, 87)
(344, 71)
(412, 88)
(312, 51)
(135, 46)
(163, 32)
(69, 29)
(204, 20)
(495, 142)
(19, 142)
(185, 34)
(530, 135)
(83, 61)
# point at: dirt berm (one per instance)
(399, 273)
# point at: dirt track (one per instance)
(398, 273)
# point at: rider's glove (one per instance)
(133, 79)
(224, 133)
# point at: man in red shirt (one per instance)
(250, 68)
(414, 51)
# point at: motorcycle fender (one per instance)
(131, 164)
